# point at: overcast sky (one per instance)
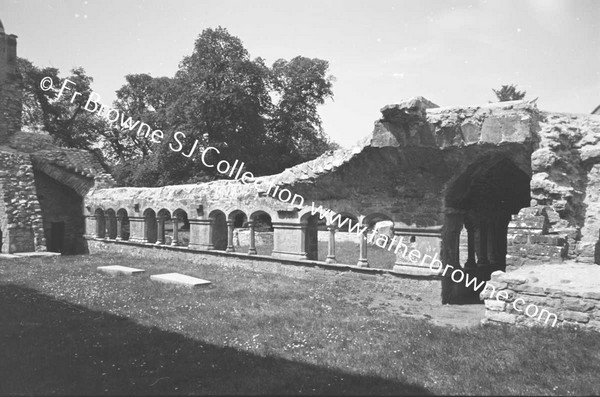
(380, 52)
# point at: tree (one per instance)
(222, 100)
(65, 120)
(301, 85)
(509, 93)
(265, 117)
(146, 100)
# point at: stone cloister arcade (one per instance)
(295, 239)
(477, 188)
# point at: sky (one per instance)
(379, 51)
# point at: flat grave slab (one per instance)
(118, 269)
(181, 279)
(8, 256)
(36, 254)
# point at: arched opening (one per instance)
(150, 231)
(218, 230)
(164, 229)
(100, 223)
(482, 201)
(263, 234)
(346, 239)
(310, 235)
(238, 222)
(111, 218)
(380, 241)
(123, 230)
(181, 228)
(239, 219)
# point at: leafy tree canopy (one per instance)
(265, 116)
(509, 93)
(63, 118)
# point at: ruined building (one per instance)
(41, 186)
(494, 187)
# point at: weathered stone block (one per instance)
(529, 289)
(117, 269)
(180, 279)
(592, 295)
(494, 305)
(500, 317)
(573, 316)
(577, 305)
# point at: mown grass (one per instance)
(67, 329)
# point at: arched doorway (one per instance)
(150, 231)
(181, 228)
(218, 230)
(111, 218)
(100, 223)
(123, 225)
(262, 227)
(310, 235)
(481, 200)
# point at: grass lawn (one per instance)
(67, 329)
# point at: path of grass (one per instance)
(65, 328)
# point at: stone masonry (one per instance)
(29, 209)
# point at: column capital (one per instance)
(206, 221)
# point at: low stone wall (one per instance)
(257, 262)
(568, 291)
(528, 240)
(241, 237)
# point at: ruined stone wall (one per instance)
(21, 207)
(10, 88)
(564, 291)
(415, 152)
(565, 185)
(3, 221)
(419, 159)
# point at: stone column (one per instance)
(96, 223)
(175, 241)
(470, 246)
(107, 222)
(502, 231)
(483, 244)
(230, 237)
(331, 245)
(211, 243)
(491, 246)
(160, 237)
(252, 249)
(362, 256)
(146, 230)
(90, 226)
(119, 228)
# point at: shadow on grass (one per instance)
(49, 346)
